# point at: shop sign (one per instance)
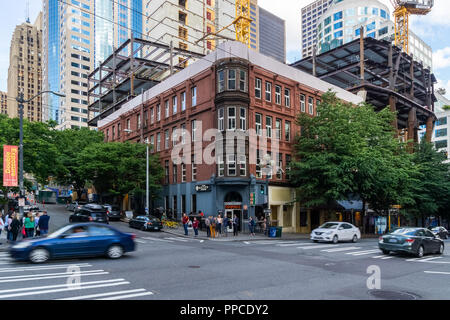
(203, 188)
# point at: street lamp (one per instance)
(21, 102)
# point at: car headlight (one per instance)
(22, 245)
(329, 232)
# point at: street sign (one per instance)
(203, 188)
(21, 202)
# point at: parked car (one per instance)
(76, 205)
(145, 223)
(75, 240)
(441, 232)
(335, 232)
(90, 213)
(417, 241)
(113, 211)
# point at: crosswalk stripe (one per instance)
(318, 246)
(341, 249)
(361, 253)
(105, 294)
(386, 258)
(48, 274)
(430, 259)
(140, 241)
(177, 239)
(48, 267)
(68, 288)
(263, 242)
(377, 257)
(39, 277)
(295, 244)
(128, 296)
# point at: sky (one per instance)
(433, 28)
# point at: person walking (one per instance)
(195, 226)
(213, 226)
(235, 225)
(36, 224)
(6, 223)
(2, 223)
(43, 223)
(225, 225)
(208, 225)
(29, 225)
(219, 225)
(251, 226)
(14, 227)
(185, 221)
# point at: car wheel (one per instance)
(115, 251)
(385, 251)
(355, 238)
(420, 252)
(441, 249)
(143, 228)
(335, 239)
(39, 255)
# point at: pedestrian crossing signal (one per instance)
(262, 189)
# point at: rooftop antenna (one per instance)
(27, 12)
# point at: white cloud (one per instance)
(441, 58)
(443, 84)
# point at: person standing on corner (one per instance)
(235, 225)
(251, 226)
(207, 225)
(185, 221)
(213, 226)
(195, 226)
(29, 225)
(219, 225)
(43, 224)
(14, 226)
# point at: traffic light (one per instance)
(262, 188)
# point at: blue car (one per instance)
(75, 240)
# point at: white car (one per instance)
(335, 232)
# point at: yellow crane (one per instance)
(402, 10)
(241, 23)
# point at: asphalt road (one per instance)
(167, 267)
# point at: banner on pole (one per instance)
(10, 166)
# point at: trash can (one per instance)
(273, 232)
(279, 231)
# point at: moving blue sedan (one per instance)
(75, 240)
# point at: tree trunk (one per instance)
(363, 216)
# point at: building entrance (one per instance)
(233, 206)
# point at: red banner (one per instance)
(10, 166)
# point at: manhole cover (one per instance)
(194, 267)
(393, 295)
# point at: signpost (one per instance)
(203, 188)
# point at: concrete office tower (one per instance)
(342, 21)
(272, 35)
(3, 102)
(25, 69)
(310, 16)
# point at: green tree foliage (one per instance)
(119, 168)
(348, 150)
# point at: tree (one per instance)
(70, 143)
(347, 150)
(119, 168)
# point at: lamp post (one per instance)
(21, 102)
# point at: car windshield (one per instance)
(329, 226)
(405, 231)
(435, 229)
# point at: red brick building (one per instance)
(233, 91)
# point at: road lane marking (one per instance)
(361, 253)
(49, 267)
(156, 239)
(103, 294)
(378, 257)
(340, 249)
(39, 277)
(318, 246)
(177, 239)
(140, 241)
(296, 244)
(386, 258)
(47, 274)
(128, 296)
(437, 272)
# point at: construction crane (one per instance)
(241, 24)
(402, 10)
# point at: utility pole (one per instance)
(21, 192)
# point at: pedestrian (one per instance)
(207, 225)
(10, 218)
(185, 221)
(2, 223)
(36, 224)
(14, 226)
(235, 225)
(219, 224)
(225, 225)
(6, 222)
(251, 226)
(200, 213)
(195, 226)
(43, 223)
(213, 227)
(29, 225)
